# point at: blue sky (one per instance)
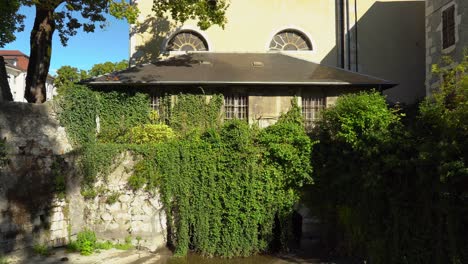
(84, 49)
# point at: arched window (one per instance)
(290, 40)
(187, 41)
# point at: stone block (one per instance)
(148, 209)
(113, 207)
(107, 217)
(123, 216)
(59, 225)
(124, 198)
(58, 216)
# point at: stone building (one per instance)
(379, 38)
(446, 35)
(351, 38)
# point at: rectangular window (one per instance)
(448, 27)
(311, 107)
(155, 102)
(236, 107)
(161, 104)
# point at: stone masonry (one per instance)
(434, 49)
(32, 211)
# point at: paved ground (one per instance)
(114, 256)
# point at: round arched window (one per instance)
(290, 40)
(187, 41)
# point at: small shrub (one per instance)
(112, 198)
(104, 245)
(150, 133)
(41, 249)
(125, 246)
(85, 242)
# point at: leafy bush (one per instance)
(85, 242)
(394, 194)
(150, 133)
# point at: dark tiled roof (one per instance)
(237, 68)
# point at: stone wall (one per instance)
(40, 195)
(434, 48)
(118, 212)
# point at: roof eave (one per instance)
(382, 86)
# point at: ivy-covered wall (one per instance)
(225, 186)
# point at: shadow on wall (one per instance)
(156, 29)
(391, 46)
(33, 183)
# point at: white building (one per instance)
(16, 68)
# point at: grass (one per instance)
(41, 249)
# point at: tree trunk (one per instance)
(41, 52)
(4, 85)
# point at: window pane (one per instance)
(311, 107)
(236, 107)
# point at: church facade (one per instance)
(272, 51)
(384, 38)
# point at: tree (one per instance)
(10, 18)
(107, 67)
(66, 76)
(67, 16)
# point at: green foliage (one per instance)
(150, 133)
(11, 21)
(107, 67)
(116, 113)
(358, 119)
(119, 112)
(127, 245)
(193, 114)
(104, 245)
(97, 159)
(390, 193)
(112, 198)
(189, 9)
(224, 191)
(3, 260)
(66, 77)
(60, 187)
(223, 185)
(85, 242)
(79, 110)
(41, 249)
(145, 174)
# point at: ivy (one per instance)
(225, 186)
(194, 113)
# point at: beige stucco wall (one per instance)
(251, 26)
(390, 45)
